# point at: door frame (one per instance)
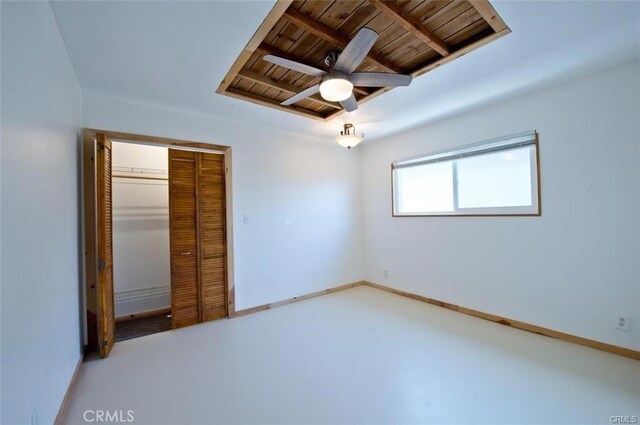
(90, 238)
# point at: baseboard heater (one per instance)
(135, 301)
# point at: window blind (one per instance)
(488, 146)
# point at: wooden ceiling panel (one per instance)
(435, 22)
(415, 36)
(472, 33)
(444, 31)
(359, 18)
(330, 14)
(447, 14)
(396, 36)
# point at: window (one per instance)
(496, 177)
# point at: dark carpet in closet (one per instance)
(135, 328)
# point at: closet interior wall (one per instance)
(142, 275)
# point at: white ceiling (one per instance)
(176, 53)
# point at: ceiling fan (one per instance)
(337, 83)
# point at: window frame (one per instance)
(534, 210)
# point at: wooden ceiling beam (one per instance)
(268, 49)
(489, 14)
(291, 89)
(411, 24)
(265, 101)
(328, 34)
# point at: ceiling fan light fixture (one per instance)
(348, 137)
(336, 89)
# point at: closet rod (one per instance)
(140, 178)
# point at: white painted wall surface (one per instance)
(300, 197)
(140, 230)
(575, 268)
(41, 116)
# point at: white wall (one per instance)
(575, 268)
(41, 115)
(300, 197)
(140, 230)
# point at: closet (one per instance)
(199, 253)
(141, 260)
(197, 216)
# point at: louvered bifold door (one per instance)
(184, 238)
(104, 294)
(211, 199)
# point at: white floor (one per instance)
(357, 356)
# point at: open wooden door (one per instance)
(105, 301)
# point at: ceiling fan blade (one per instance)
(380, 79)
(296, 66)
(355, 52)
(350, 104)
(302, 95)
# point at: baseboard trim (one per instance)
(269, 306)
(62, 411)
(166, 310)
(615, 349)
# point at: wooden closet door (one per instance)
(105, 301)
(183, 238)
(212, 232)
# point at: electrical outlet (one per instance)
(622, 323)
(386, 274)
(35, 416)
(245, 219)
